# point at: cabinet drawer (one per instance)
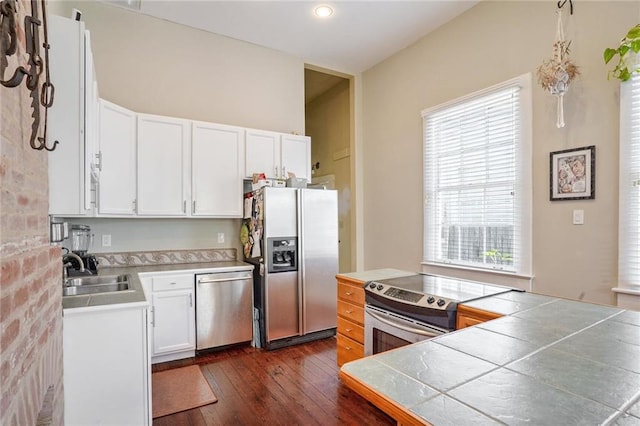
(172, 282)
(351, 330)
(351, 293)
(350, 311)
(348, 350)
(468, 316)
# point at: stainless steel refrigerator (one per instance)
(296, 231)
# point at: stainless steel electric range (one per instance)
(405, 310)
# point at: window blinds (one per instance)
(474, 193)
(629, 216)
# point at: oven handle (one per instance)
(403, 327)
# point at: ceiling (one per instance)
(357, 36)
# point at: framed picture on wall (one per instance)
(573, 174)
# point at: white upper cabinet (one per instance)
(276, 154)
(162, 159)
(68, 123)
(117, 164)
(262, 153)
(217, 152)
(295, 156)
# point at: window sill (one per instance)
(508, 279)
(628, 297)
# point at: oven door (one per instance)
(384, 330)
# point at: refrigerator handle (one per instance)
(302, 320)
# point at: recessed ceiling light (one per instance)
(323, 11)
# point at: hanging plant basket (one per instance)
(555, 74)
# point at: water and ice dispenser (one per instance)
(282, 254)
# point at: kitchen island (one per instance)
(547, 361)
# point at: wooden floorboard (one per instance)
(297, 385)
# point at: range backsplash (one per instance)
(165, 257)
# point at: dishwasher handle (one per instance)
(220, 280)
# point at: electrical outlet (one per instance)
(221, 237)
(106, 240)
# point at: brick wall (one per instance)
(30, 288)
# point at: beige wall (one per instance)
(328, 124)
(154, 66)
(491, 43)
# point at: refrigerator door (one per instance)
(281, 288)
(318, 248)
(282, 305)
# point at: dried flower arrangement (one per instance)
(557, 73)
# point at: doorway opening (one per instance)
(328, 122)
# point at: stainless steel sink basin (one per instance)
(78, 286)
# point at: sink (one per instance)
(78, 286)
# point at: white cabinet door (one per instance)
(66, 118)
(217, 152)
(262, 153)
(106, 367)
(117, 182)
(162, 153)
(295, 156)
(173, 321)
(92, 136)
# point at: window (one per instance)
(477, 178)
(629, 220)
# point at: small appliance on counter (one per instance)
(81, 239)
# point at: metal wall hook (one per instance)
(561, 4)
(36, 65)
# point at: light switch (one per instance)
(106, 240)
(220, 237)
(578, 217)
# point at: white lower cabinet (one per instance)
(173, 334)
(106, 367)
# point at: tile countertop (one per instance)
(550, 361)
(136, 296)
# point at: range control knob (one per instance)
(431, 299)
(441, 302)
(380, 287)
(372, 285)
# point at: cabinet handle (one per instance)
(348, 312)
(348, 293)
(153, 317)
(284, 172)
(348, 348)
(275, 171)
(99, 160)
(134, 205)
(184, 206)
(193, 207)
(191, 300)
(348, 330)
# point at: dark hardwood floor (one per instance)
(297, 385)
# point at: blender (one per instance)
(81, 239)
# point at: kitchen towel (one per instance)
(179, 389)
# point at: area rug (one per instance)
(180, 389)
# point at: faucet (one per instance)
(75, 256)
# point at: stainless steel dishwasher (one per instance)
(224, 309)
